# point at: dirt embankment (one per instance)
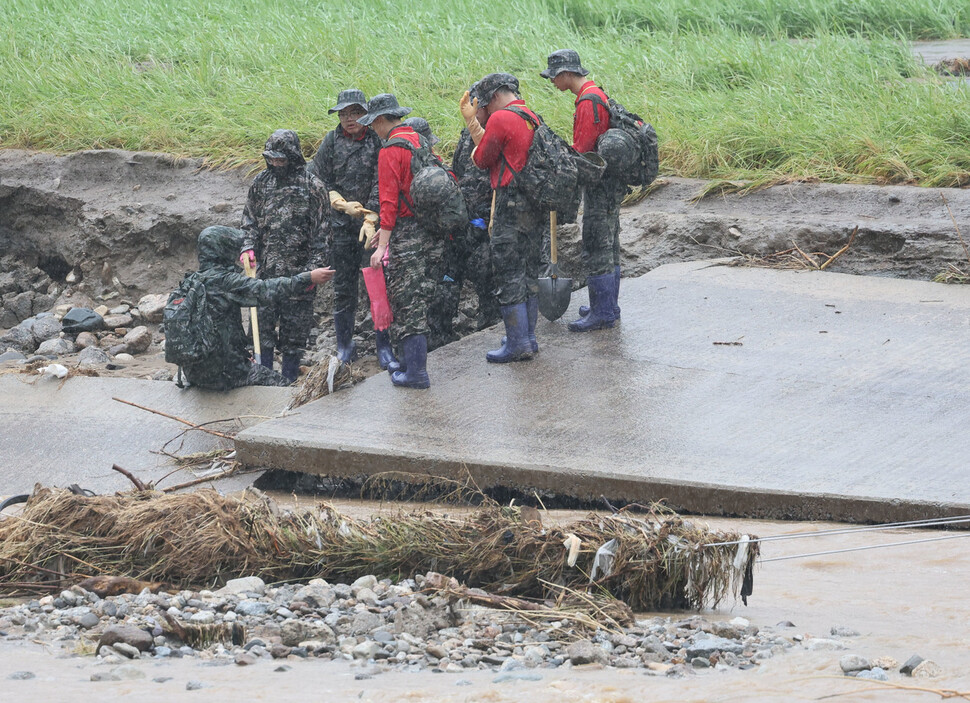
(115, 225)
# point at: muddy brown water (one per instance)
(902, 600)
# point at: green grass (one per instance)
(730, 90)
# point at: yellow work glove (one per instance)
(355, 209)
(337, 200)
(469, 110)
(368, 231)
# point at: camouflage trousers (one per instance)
(466, 257)
(516, 241)
(294, 316)
(601, 226)
(413, 268)
(347, 258)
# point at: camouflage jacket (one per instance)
(285, 220)
(227, 290)
(472, 180)
(348, 166)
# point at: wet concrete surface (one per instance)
(844, 397)
(58, 433)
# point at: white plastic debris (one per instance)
(572, 544)
(603, 561)
(55, 370)
(741, 557)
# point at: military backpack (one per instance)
(190, 331)
(434, 197)
(631, 152)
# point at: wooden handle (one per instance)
(491, 216)
(553, 248)
(253, 322)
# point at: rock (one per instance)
(821, 644)
(11, 356)
(45, 328)
(249, 584)
(700, 663)
(280, 651)
(88, 620)
(251, 607)
(875, 674)
(19, 338)
(194, 685)
(366, 650)
(928, 670)
(101, 310)
(295, 631)
(365, 622)
(116, 349)
(706, 645)
(124, 356)
(369, 582)
(105, 676)
(120, 310)
(886, 663)
(585, 652)
(436, 651)
(839, 631)
(151, 306)
(126, 650)
(92, 356)
(138, 340)
(129, 634)
(911, 663)
(22, 676)
(245, 659)
(203, 617)
(85, 339)
(851, 663)
(82, 320)
(316, 594)
(367, 596)
(21, 305)
(115, 321)
(57, 347)
(43, 302)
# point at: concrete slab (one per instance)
(59, 433)
(723, 390)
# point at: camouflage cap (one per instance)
(380, 105)
(349, 97)
(491, 83)
(421, 126)
(284, 144)
(563, 60)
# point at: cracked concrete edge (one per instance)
(320, 458)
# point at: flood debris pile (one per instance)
(652, 561)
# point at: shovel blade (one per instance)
(554, 295)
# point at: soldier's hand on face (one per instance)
(469, 107)
(319, 276)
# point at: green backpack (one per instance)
(434, 197)
(190, 332)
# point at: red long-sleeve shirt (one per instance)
(586, 129)
(394, 177)
(507, 139)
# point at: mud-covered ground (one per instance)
(109, 227)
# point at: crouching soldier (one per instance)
(601, 201)
(346, 162)
(284, 227)
(226, 362)
(516, 226)
(414, 257)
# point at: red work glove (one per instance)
(248, 254)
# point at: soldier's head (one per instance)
(282, 152)
(421, 126)
(473, 95)
(351, 105)
(496, 90)
(565, 70)
(383, 114)
(219, 246)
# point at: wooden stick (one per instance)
(841, 251)
(956, 226)
(34, 566)
(196, 481)
(177, 419)
(491, 215)
(809, 260)
(134, 479)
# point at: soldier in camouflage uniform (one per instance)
(346, 162)
(413, 264)
(227, 290)
(284, 227)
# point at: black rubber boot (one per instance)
(343, 325)
(515, 345)
(290, 367)
(415, 349)
(266, 357)
(601, 299)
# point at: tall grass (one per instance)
(213, 78)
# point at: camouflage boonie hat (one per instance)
(380, 105)
(491, 83)
(284, 144)
(349, 97)
(421, 126)
(563, 60)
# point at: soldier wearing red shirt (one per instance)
(516, 226)
(601, 201)
(412, 264)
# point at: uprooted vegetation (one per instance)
(657, 560)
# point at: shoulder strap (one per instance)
(402, 142)
(524, 115)
(597, 102)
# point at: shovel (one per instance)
(554, 290)
(253, 322)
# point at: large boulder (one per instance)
(19, 338)
(56, 346)
(151, 306)
(45, 327)
(82, 320)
